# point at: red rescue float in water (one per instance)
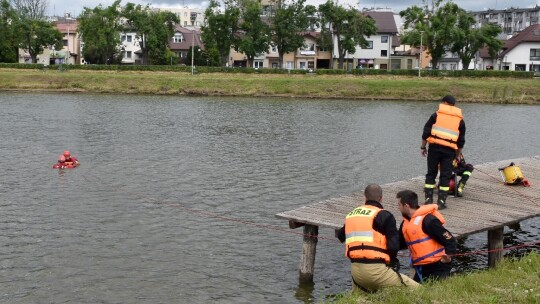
(66, 161)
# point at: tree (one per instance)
(347, 26)
(36, 35)
(154, 31)
(434, 24)
(32, 9)
(468, 40)
(8, 32)
(100, 30)
(254, 36)
(288, 24)
(220, 27)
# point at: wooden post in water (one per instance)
(309, 248)
(495, 242)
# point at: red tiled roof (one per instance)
(65, 26)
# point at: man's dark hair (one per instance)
(373, 192)
(449, 99)
(408, 197)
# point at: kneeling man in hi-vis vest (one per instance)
(371, 243)
(429, 243)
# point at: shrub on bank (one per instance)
(235, 70)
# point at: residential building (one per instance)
(519, 53)
(71, 50)
(182, 41)
(511, 20)
(382, 51)
(184, 14)
(130, 48)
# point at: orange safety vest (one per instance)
(424, 249)
(361, 240)
(445, 130)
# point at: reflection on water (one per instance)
(176, 196)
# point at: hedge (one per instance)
(206, 69)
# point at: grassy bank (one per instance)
(513, 281)
(481, 90)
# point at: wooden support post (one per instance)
(495, 241)
(309, 248)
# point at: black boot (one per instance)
(460, 187)
(441, 200)
(429, 196)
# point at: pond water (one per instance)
(176, 197)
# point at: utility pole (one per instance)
(193, 17)
(420, 58)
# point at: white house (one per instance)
(519, 53)
(378, 54)
(130, 47)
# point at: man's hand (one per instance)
(446, 259)
(424, 151)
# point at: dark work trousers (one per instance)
(439, 155)
(434, 271)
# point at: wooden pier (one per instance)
(487, 205)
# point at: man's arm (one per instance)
(427, 127)
(461, 138)
(340, 234)
(402, 241)
(385, 223)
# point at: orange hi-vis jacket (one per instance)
(361, 240)
(424, 250)
(445, 130)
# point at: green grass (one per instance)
(382, 87)
(512, 281)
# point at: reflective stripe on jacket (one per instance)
(424, 250)
(361, 240)
(445, 130)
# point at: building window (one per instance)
(123, 38)
(65, 42)
(258, 64)
(289, 64)
(127, 55)
(308, 47)
(302, 65)
(129, 38)
(274, 49)
(185, 23)
(178, 37)
(409, 64)
(520, 67)
(396, 64)
(384, 39)
(369, 44)
(535, 54)
(384, 53)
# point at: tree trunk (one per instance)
(466, 63)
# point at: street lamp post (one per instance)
(193, 16)
(420, 58)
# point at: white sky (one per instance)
(59, 7)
